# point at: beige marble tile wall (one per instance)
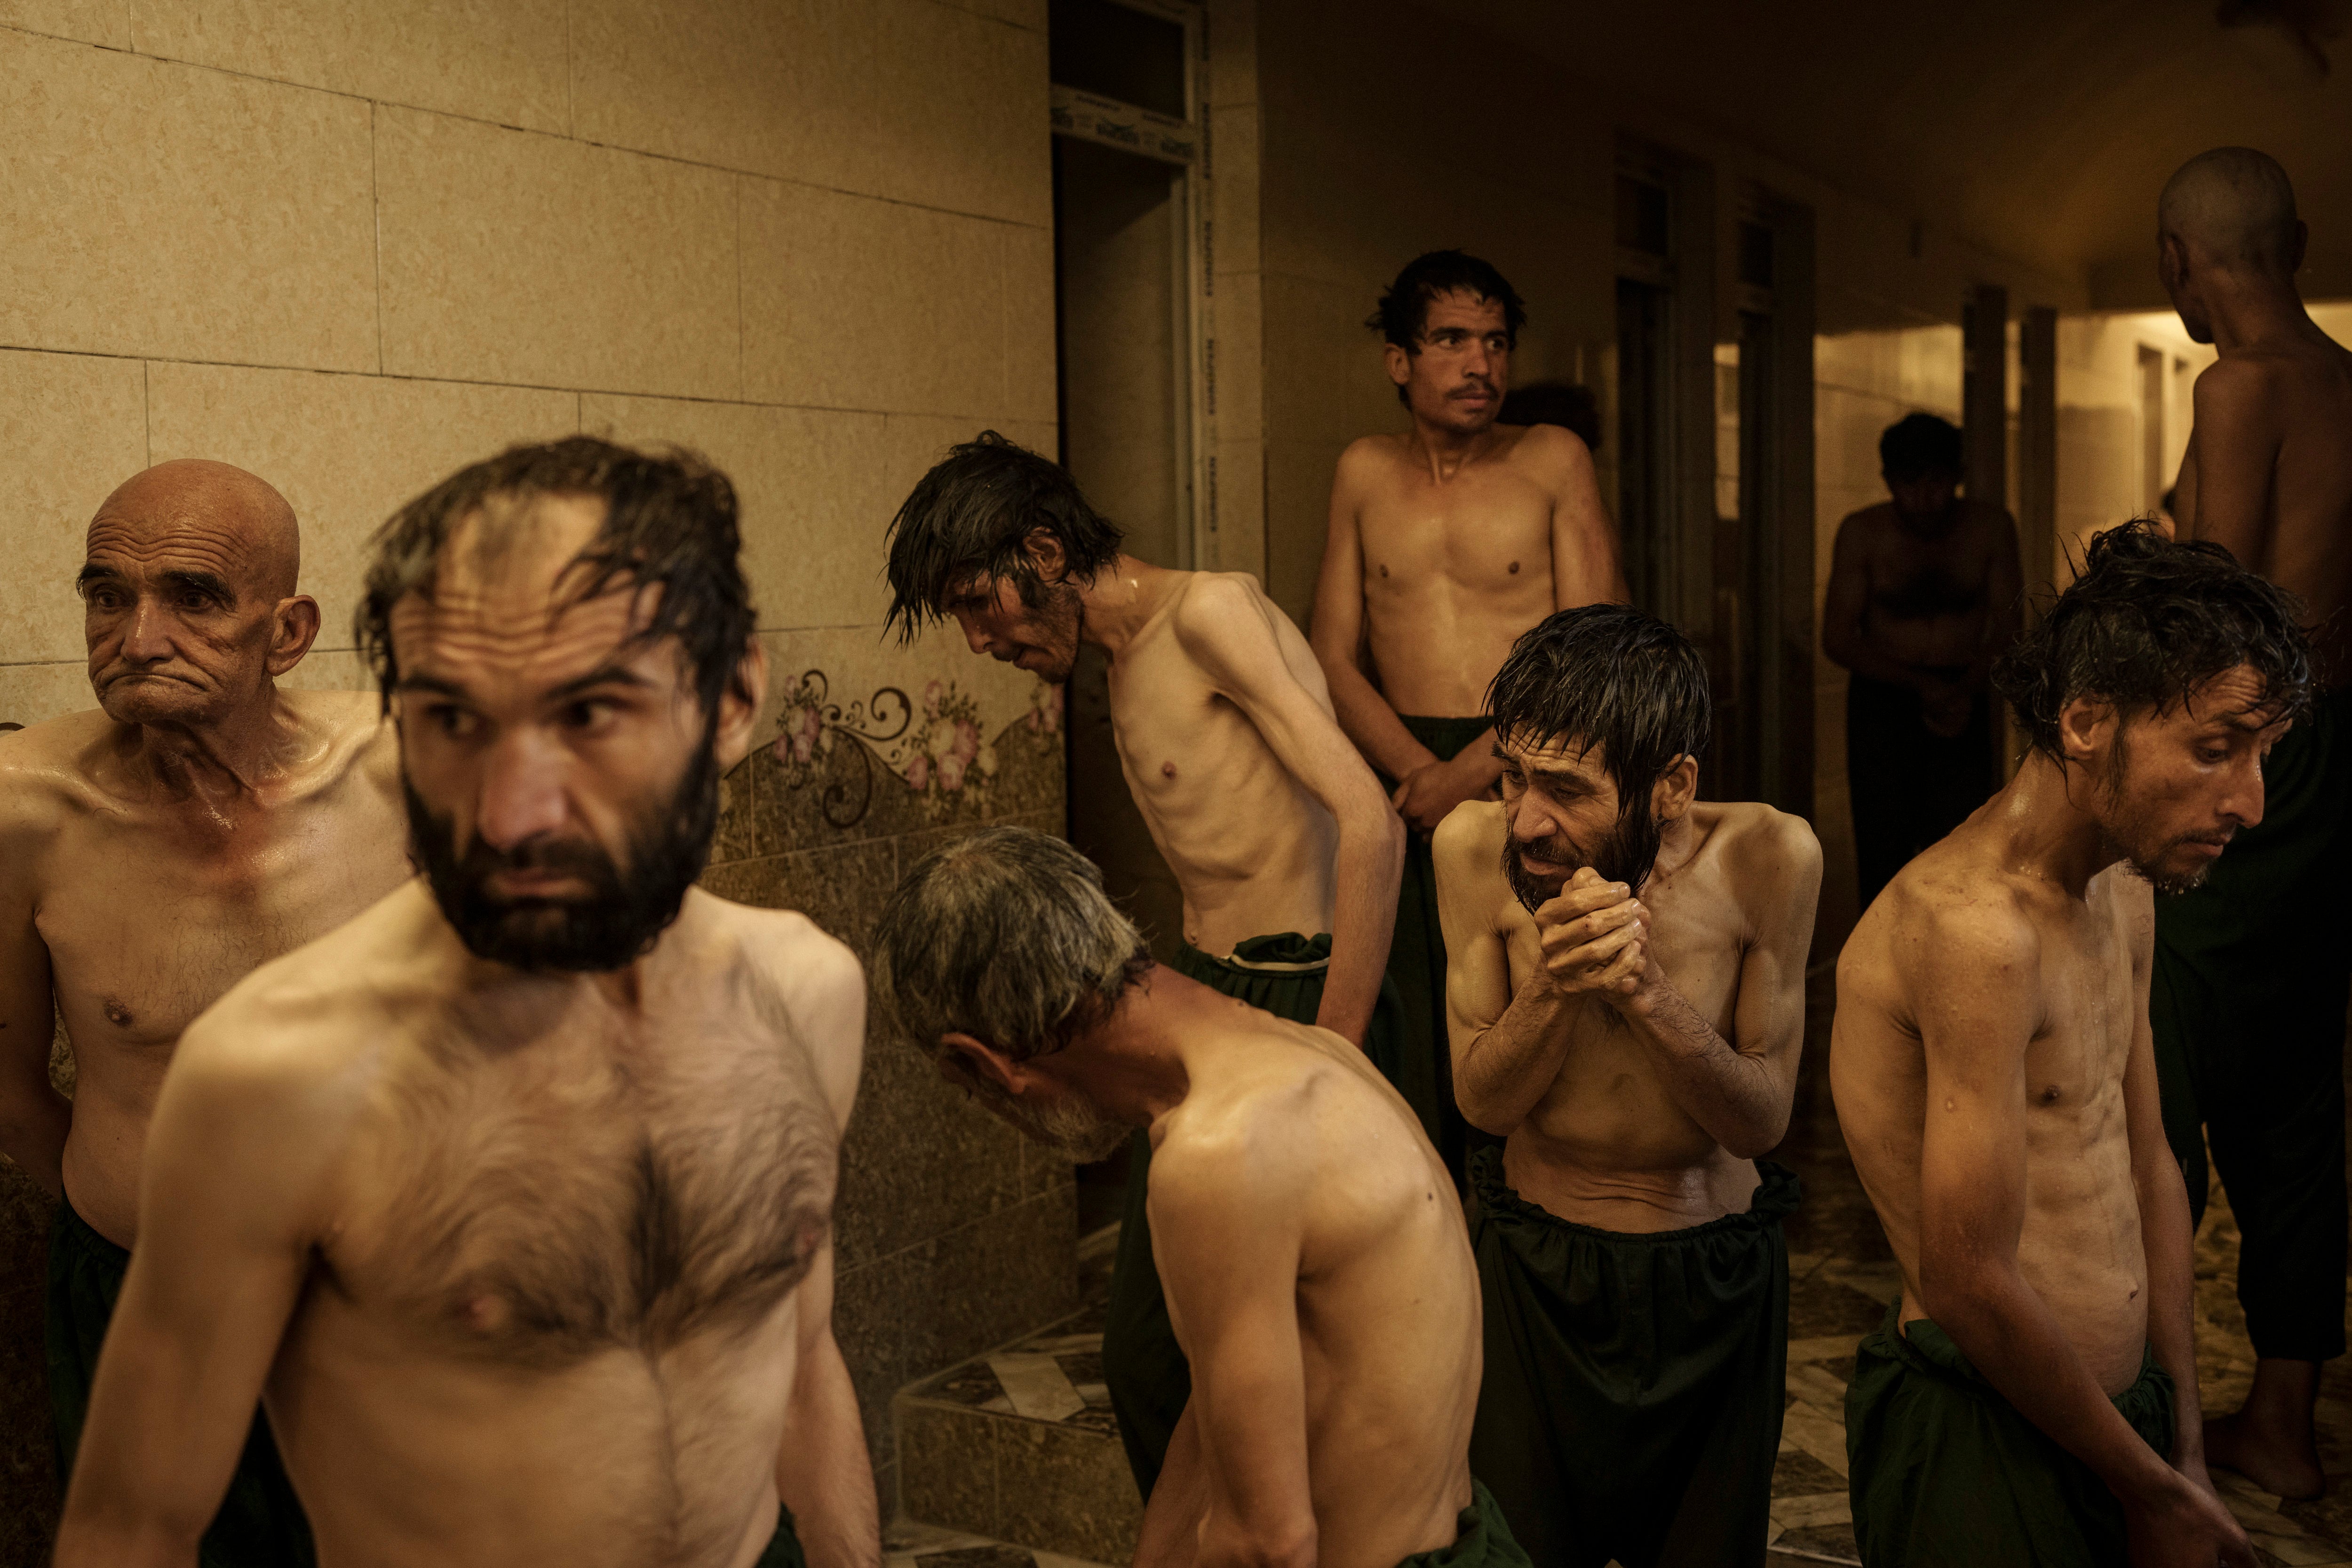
(2100, 419)
(353, 247)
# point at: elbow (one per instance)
(1487, 1115)
(1758, 1137)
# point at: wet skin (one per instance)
(531, 1266)
(201, 823)
(1445, 544)
(1995, 1078)
(1636, 1053)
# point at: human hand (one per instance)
(2185, 1526)
(1946, 708)
(1595, 937)
(1426, 795)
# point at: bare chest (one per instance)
(1182, 744)
(1489, 533)
(2075, 1064)
(1698, 937)
(148, 920)
(538, 1211)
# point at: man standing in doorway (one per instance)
(2253, 969)
(1278, 834)
(1924, 592)
(1447, 541)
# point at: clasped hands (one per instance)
(1595, 936)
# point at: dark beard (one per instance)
(2128, 834)
(1062, 612)
(617, 921)
(1626, 856)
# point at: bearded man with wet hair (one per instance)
(511, 1199)
(1625, 998)
(1317, 1276)
(2033, 1394)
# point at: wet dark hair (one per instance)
(1562, 403)
(2148, 621)
(669, 522)
(1613, 677)
(971, 516)
(1920, 444)
(1403, 311)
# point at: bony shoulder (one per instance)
(1781, 834)
(1473, 827)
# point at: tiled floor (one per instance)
(1842, 1277)
(907, 1546)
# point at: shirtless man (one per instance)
(1277, 832)
(1315, 1260)
(1625, 983)
(2252, 970)
(151, 853)
(2033, 1396)
(1925, 589)
(512, 1197)
(1447, 541)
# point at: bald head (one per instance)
(236, 517)
(2233, 208)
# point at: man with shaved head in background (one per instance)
(2253, 968)
(151, 853)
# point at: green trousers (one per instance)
(1484, 1540)
(2247, 1003)
(261, 1522)
(1635, 1384)
(1417, 964)
(1945, 1473)
(1148, 1378)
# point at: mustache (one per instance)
(1625, 856)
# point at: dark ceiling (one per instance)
(2040, 129)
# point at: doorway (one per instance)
(1128, 280)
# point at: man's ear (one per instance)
(1045, 553)
(738, 705)
(2086, 726)
(976, 1058)
(294, 627)
(1671, 795)
(1399, 364)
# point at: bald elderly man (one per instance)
(2253, 968)
(154, 852)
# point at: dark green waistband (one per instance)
(1286, 953)
(1922, 1345)
(1445, 736)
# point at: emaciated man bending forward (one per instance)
(2033, 1397)
(514, 1195)
(1312, 1249)
(1626, 969)
(1275, 829)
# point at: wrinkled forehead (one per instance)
(174, 522)
(1462, 309)
(2240, 698)
(505, 599)
(1557, 755)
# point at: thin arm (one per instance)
(235, 1157)
(1338, 636)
